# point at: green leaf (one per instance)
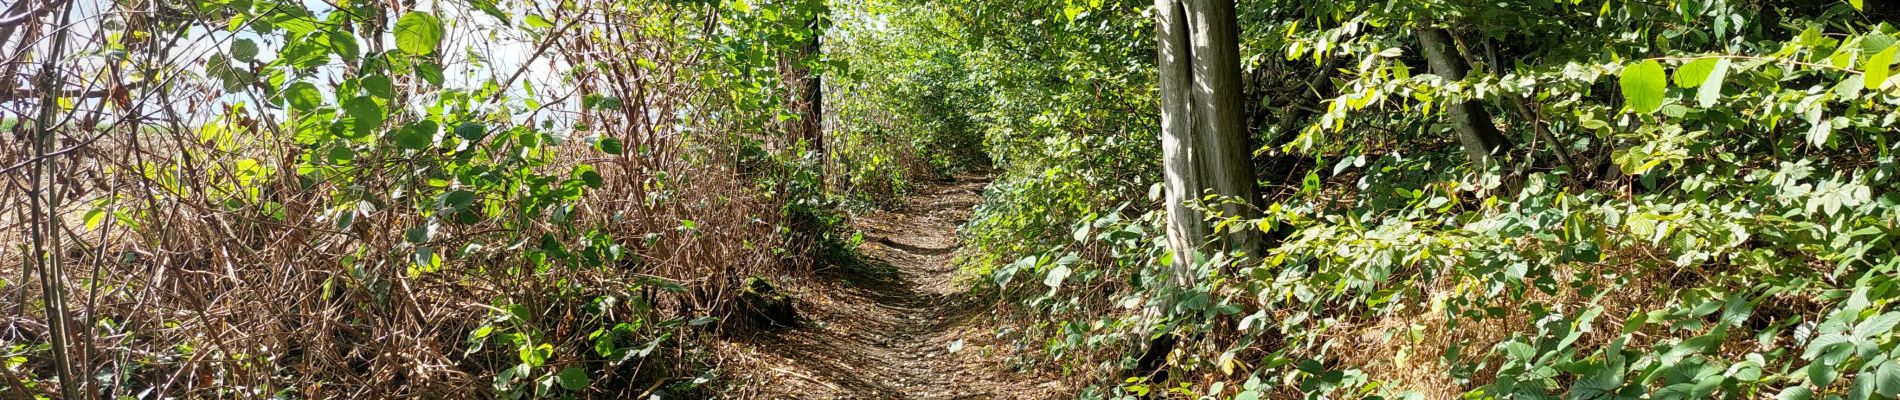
(1643, 85)
(342, 155)
(94, 218)
(1877, 67)
(1878, 325)
(1519, 351)
(297, 25)
(471, 131)
(1875, 42)
(1711, 87)
(418, 33)
(1851, 86)
(591, 178)
(488, 6)
(367, 113)
(537, 355)
(1635, 322)
(611, 146)
(1826, 344)
(244, 50)
(233, 77)
(538, 22)
(572, 378)
(1811, 36)
(1887, 383)
(1795, 393)
(429, 72)
(303, 96)
(1819, 133)
(379, 86)
(456, 201)
(416, 136)
(1055, 277)
(1695, 72)
(348, 128)
(343, 44)
(1821, 374)
(1861, 388)
(1680, 391)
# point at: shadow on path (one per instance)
(884, 329)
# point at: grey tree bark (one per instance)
(1203, 138)
(1469, 119)
(1182, 184)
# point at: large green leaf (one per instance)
(572, 378)
(1819, 133)
(1055, 277)
(364, 109)
(1882, 324)
(343, 44)
(365, 114)
(1822, 374)
(456, 201)
(1862, 387)
(244, 50)
(1888, 383)
(379, 86)
(471, 131)
(1643, 85)
(416, 136)
(1695, 72)
(1877, 68)
(303, 96)
(429, 72)
(418, 33)
(1711, 87)
(1827, 344)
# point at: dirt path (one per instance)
(888, 330)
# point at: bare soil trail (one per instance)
(886, 329)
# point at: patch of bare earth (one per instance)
(886, 329)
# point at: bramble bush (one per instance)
(1698, 203)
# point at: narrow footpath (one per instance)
(897, 327)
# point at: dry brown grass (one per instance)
(1407, 348)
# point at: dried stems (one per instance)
(219, 268)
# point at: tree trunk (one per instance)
(814, 118)
(804, 85)
(1228, 165)
(1469, 119)
(1186, 228)
(1203, 138)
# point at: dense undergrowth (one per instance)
(1698, 203)
(264, 199)
(251, 198)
